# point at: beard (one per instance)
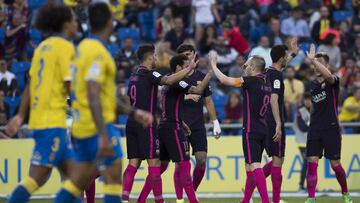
(153, 65)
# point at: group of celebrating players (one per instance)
(88, 73)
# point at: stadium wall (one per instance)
(225, 168)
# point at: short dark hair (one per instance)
(329, 39)
(185, 47)
(259, 62)
(177, 60)
(297, 8)
(51, 19)
(99, 16)
(278, 52)
(307, 95)
(350, 58)
(323, 55)
(144, 51)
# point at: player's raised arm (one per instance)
(293, 49)
(226, 80)
(320, 67)
(173, 78)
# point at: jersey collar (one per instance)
(96, 37)
(60, 35)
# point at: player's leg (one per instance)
(314, 151)
(163, 166)
(276, 177)
(154, 178)
(253, 146)
(332, 151)
(198, 141)
(72, 188)
(133, 153)
(178, 148)
(37, 177)
(312, 176)
(50, 145)
(112, 168)
(303, 168)
(199, 170)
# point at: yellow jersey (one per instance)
(346, 115)
(71, 3)
(92, 63)
(118, 9)
(50, 70)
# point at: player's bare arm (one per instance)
(15, 123)
(186, 129)
(123, 107)
(293, 49)
(193, 97)
(209, 104)
(323, 70)
(105, 147)
(225, 80)
(276, 113)
(173, 78)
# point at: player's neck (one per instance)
(145, 65)
(276, 66)
(102, 35)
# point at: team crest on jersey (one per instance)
(94, 71)
(156, 74)
(319, 97)
(183, 84)
(276, 84)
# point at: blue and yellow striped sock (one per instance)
(112, 193)
(23, 191)
(69, 193)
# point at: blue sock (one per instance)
(65, 196)
(19, 195)
(112, 199)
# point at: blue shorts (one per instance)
(52, 147)
(85, 150)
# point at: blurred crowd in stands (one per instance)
(234, 29)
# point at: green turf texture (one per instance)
(288, 200)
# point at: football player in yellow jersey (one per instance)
(96, 141)
(45, 96)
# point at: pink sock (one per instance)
(156, 184)
(177, 183)
(312, 178)
(186, 181)
(276, 179)
(198, 175)
(249, 186)
(341, 177)
(128, 181)
(147, 187)
(261, 185)
(90, 193)
(267, 169)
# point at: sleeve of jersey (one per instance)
(155, 77)
(238, 82)
(207, 91)
(96, 71)
(183, 86)
(66, 61)
(276, 83)
(337, 80)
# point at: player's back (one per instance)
(50, 69)
(256, 91)
(143, 91)
(92, 63)
(276, 81)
